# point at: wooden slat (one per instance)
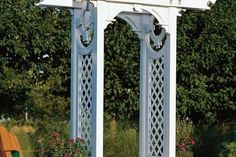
(8, 143)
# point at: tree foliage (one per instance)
(206, 63)
(35, 63)
(121, 70)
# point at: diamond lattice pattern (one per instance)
(156, 107)
(85, 99)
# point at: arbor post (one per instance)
(171, 85)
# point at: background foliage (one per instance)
(35, 63)
(121, 71)
(34, 60)
(206, 63)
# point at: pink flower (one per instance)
(55, 134)
(71, 141)
(80, 140)
(182, 147)
(192, 141)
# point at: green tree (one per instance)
(121, 70)
(206, 63)
(35, 63)
(35, 52)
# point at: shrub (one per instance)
(47, 126)
(60, 145)
(185, 140)
(229, 150)
(216, 140)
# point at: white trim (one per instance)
(183, 4)
(98, 84)
(74, 78)
(171, 85)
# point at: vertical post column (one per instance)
(143, 114)
(158, 86)
(170, 84)
(74, 72)
(98, 82)
(87, 77)
(153, 51)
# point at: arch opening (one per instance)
(121, 90)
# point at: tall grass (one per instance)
(25, 143)
(120, 140)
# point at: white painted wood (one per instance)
(166, 100)
(143, 143)
(85, 74)
(193, 4)
(157, 67)
(74, 74)
(170, 116)
(56, 3)
(98, 83)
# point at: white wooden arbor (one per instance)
(157, 68)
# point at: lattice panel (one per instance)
(85, 99)
(156, 108)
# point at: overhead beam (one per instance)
(184, 4)
(60, 3)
